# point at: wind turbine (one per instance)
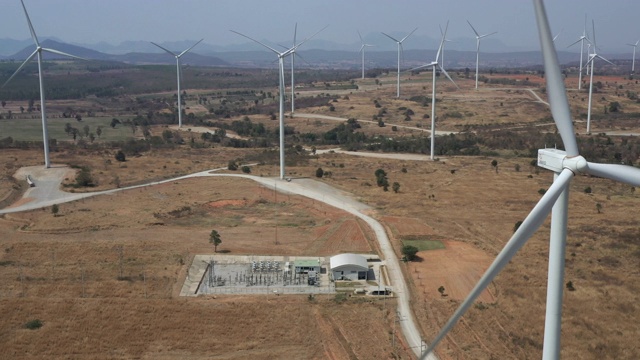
(592, 58)
(633, 63)
(38, 52)
(478, 37)
(581, 40)
(399, 42)
(362, 51)
(565, 164)
(434, 65)
(281, 56)
(179, 71)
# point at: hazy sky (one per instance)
(114, 21)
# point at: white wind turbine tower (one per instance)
(281, 56)
(362, 51)
(581, 40)
(399, 42)
(565, 164)
(38, 52)
(179, 71)
(591, 63)
(434, 65)
(478, 37)
(633, 62)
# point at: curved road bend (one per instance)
(49, 194)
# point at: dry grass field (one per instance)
(104, 273)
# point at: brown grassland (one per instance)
(104, 273)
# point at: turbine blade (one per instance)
(189, 49)
(555, 37)
(310, 37)
(529, 226)
(601, 58)
(555, 83)
(419, 67)
(295, 33)
(442, 40)
(577, 41)
(256, 41)
(593, 24)
(391, 37)
(169, 51)
(405, 38)
(54, 51)
(485, 35)
(448, 77)
(623, 173)
(33, 32)
(21, 66)
(472, 28)
(360, 36)
(298, 55)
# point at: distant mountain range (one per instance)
(253, 55)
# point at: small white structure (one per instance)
(349, 267)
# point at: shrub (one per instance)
(232, 165)
(409, 251)
(55, 209)
(84, 178)
(120, 156)
(587, 190)
(33, 324)
(319, 173)
(246, 169)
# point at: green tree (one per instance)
(84, 178)
(319, 172)
(215, 239)
(99, 131)
(409, 251)
(441, 290)
(55, 209)
(494, 163)
(120, 156)
(245, 169)
(614, 106)
(232, 165)
(396, 187)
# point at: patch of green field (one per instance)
(424, 245)
(31, 129)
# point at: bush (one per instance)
(33, 324)
(55, 209)
(409, 251)
(319, 173)
(120, 156)
(232, 165)
(84, 178)
(246, 169)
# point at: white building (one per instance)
(349, 267)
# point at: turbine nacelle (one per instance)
(557, 160)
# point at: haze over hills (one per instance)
(315, 53)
